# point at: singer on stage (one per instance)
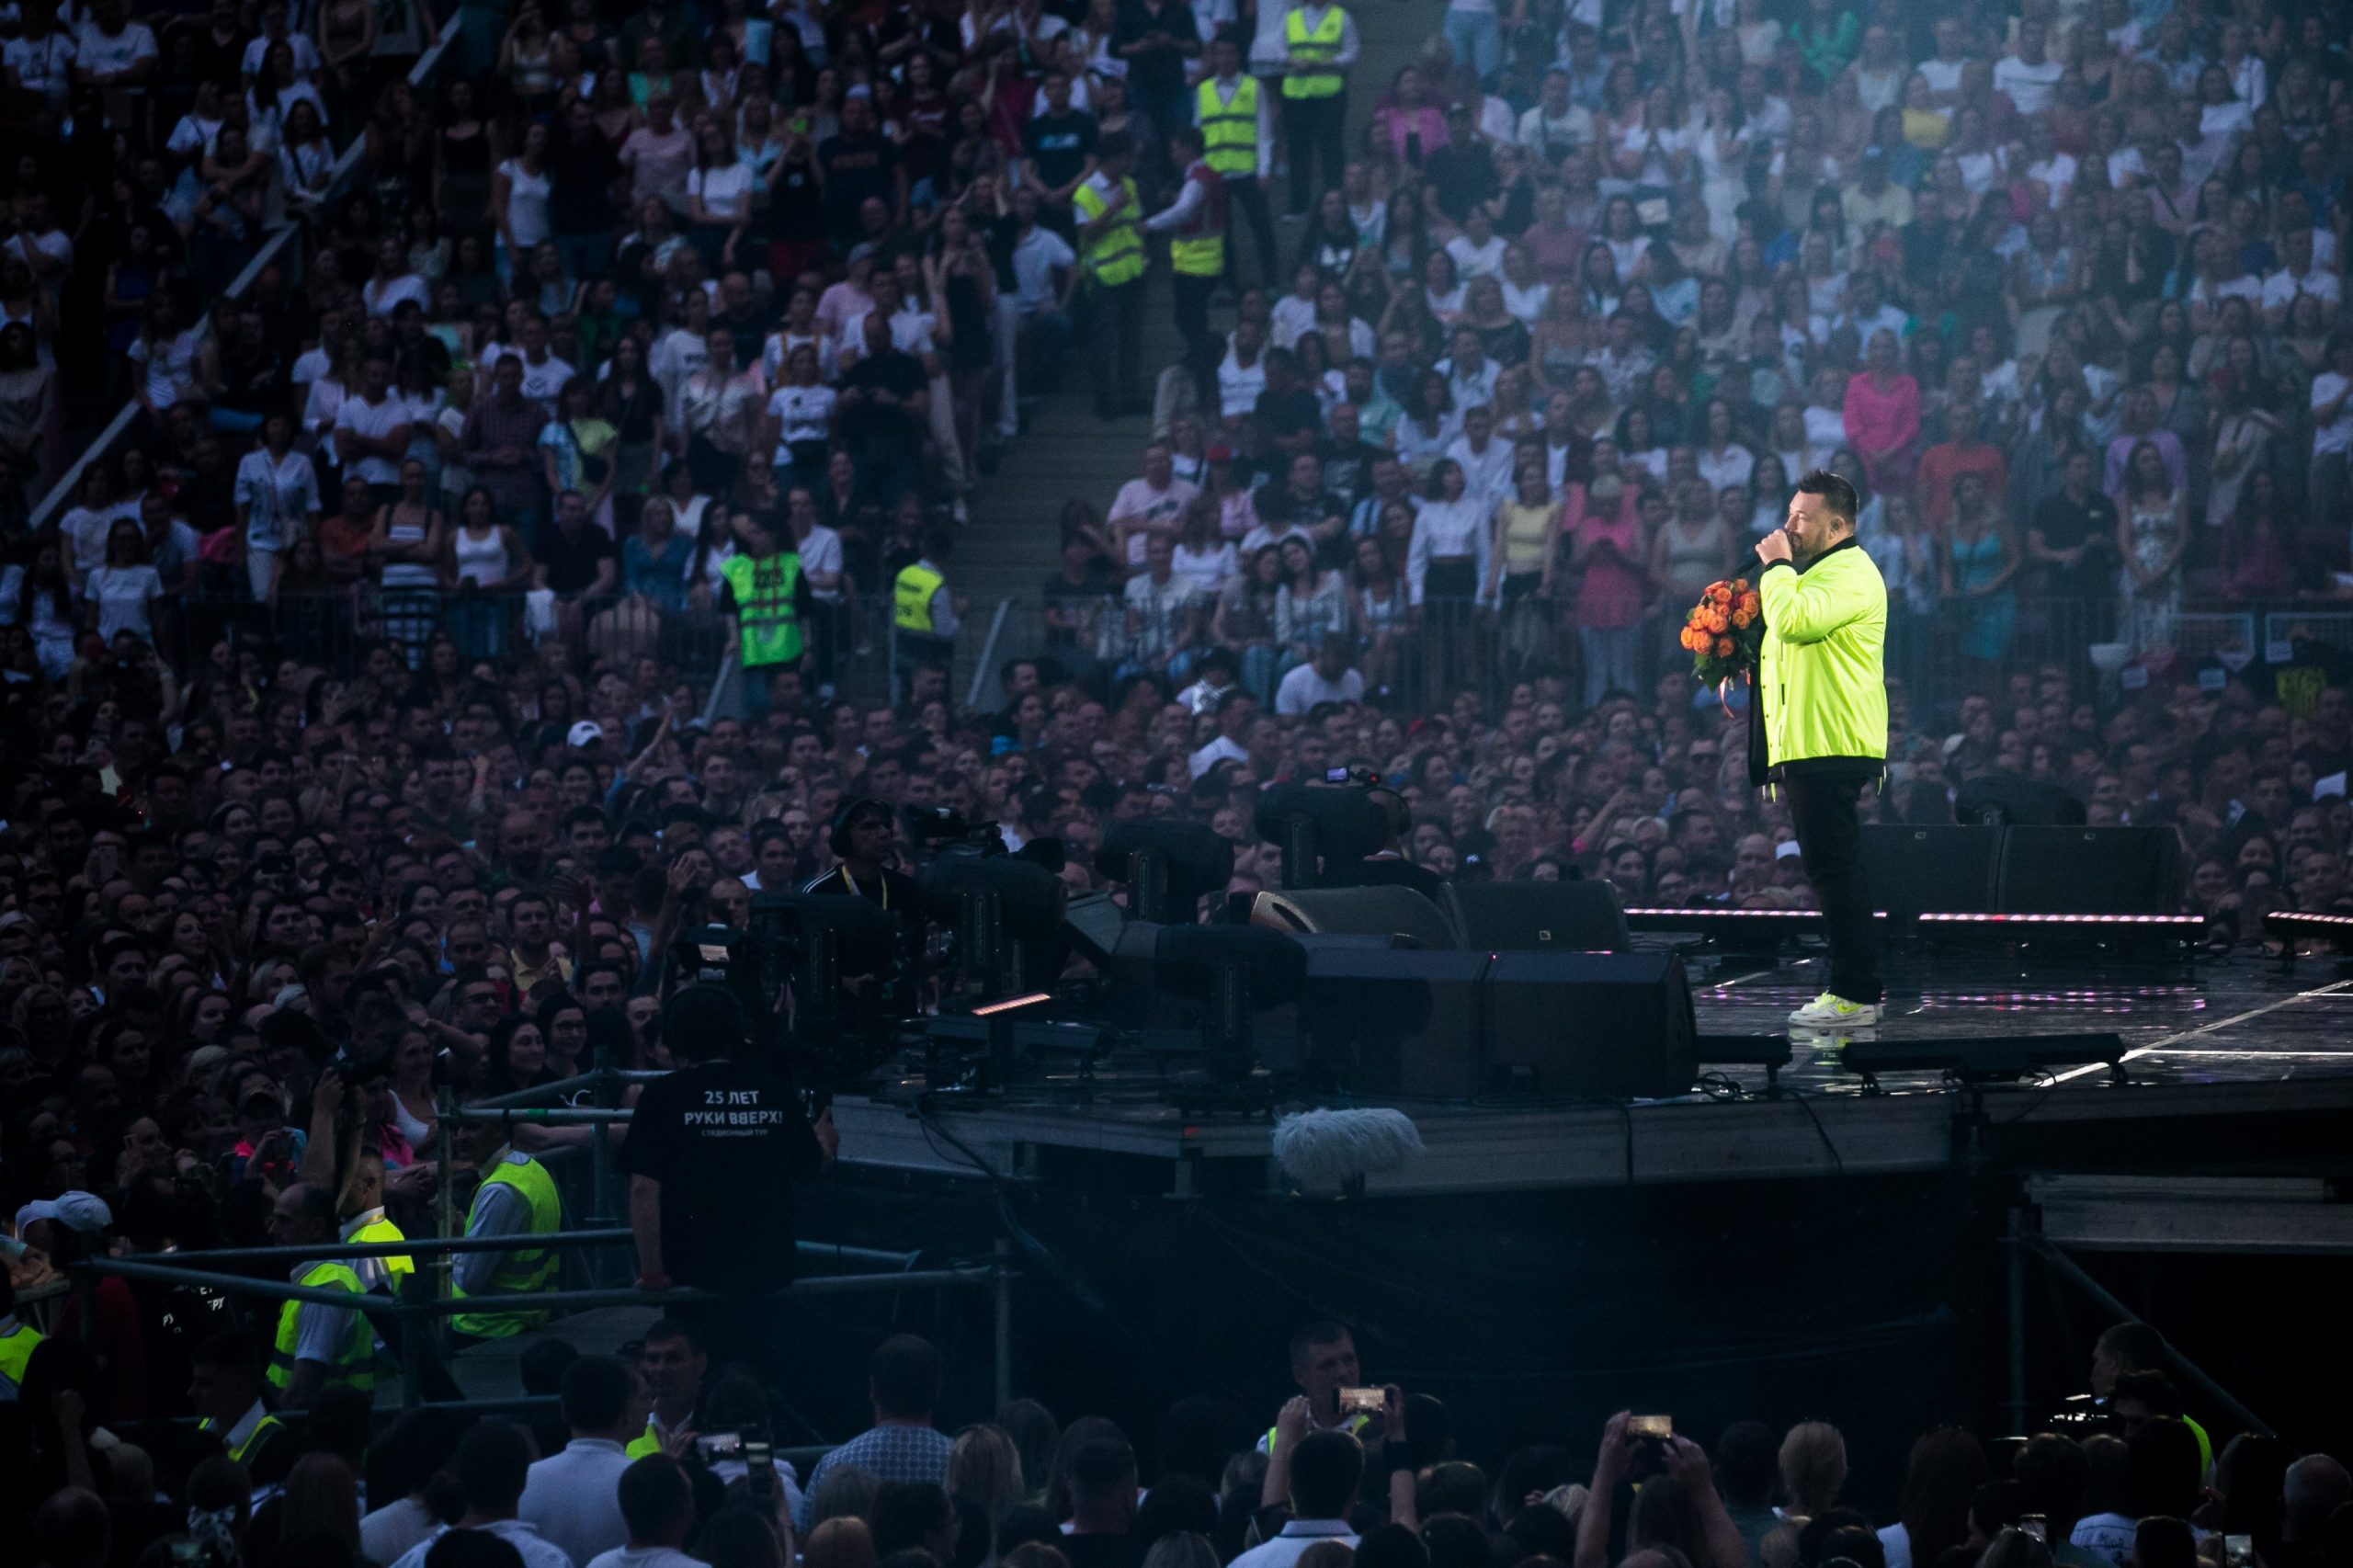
(1822, 692)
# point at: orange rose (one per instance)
(1715, 622)
(1740, 584)
(1751, 603)
(1685, 638)
(1741, 617)
(1723, 647)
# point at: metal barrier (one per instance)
(2331, 628)
(273, 248)
(192, 1268)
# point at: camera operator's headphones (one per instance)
(837, 836)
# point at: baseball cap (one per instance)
(83, 1211)
(586, 733)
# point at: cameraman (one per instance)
(703, 1140)
(863, 832)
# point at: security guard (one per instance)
(224, 1390)
(1111, 253)
(768, 603)
(18, 1342)
(1319, 45)
(365, 1222)
(517, 1198)
(1237, 138)
(1195, 222)
(318, 1347)
(861, 837)
(924, 621)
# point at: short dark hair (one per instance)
(905, 1514)
(905, 1375)
(595, 1392)
(2136, 1345)
(2053, 1473)
(1324, 1331)
(1835, 493)
(2152, 1389)
(1748, 1460)
(2164, 1464)
(492, 1464)
(1325, 1470)
(474, 1549)
(653, 1491)
(2161, 1542)
(1102, 1468)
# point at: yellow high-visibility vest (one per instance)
(16, 1348)
(1114, 254)
(525, 1268)
(1314, 47)
(1229, 129)
(354, 1359)
(911, 597)
(1198, 249)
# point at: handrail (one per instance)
(987, 660)
(62, 492)
(430, 1245)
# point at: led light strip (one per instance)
(2169, 922)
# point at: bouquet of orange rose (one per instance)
(1724, 633)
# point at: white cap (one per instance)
(586, 733)
(83, 1211)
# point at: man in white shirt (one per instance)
(2300, 273)
(2029, 77)
(1237, 711)
(574, 1498)
(371, 431)
(1471, 376)
(1325, 679)
(493, 1464)
(274, 30)
(1152, 505)
(1556, 126)
(40, 57)
(543, 374)
(1160, 620)
(1486, 461)
(658, 1504)
(113, 50)
(1320, 1472)
(1941, 71)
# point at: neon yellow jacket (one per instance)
(1820, 676)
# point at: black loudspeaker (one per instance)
(1391, 1020)
(1930, 871)
(1996, 800)
(1596, 1026)
(2088, 871)
(1534, 917)
(1355, 912)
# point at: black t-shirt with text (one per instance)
(727, 1140)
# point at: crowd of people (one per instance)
(356, 713)
(642, 1463)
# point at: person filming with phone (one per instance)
(1818, 728)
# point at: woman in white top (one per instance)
(1204, 557)
(519, 199)
(305, 157)
(719, 196)
(168, 355)
(483, 552)
(278, 501)
(119, 592)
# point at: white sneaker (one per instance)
(1827, 1011)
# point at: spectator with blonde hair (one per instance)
(1813, 1468)
(843, 1543)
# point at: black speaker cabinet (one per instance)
(1916, 870)
(2088, 871)
(1386, 1020)
(1533, 917)
(1355, 912)
(1598, 1026)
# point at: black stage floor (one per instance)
(2229, 1043)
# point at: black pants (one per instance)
(1830, 844)
(1202, 348)
(1115, 325)
(1245, 197)
(1315, 128)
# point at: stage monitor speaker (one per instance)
(1397, 1021)
(1535, 917)
(2088, 871)
(1596, 1026)
(1355, 912)
(1915, 871)
(1996, 800)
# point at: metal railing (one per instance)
(274, 245)
(425, 1313)
(1448, 646)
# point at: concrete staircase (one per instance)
(1012, 543)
